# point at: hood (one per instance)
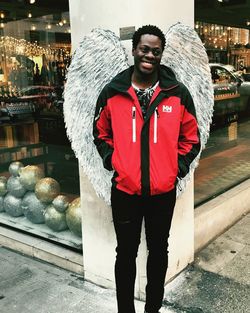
(122, 81)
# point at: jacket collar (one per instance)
(122, 81)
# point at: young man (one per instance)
(145, 129)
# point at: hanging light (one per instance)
(29, 15)
(2, 15)
(33, 27)
(49, 26)
(32, 1)
(1, 25)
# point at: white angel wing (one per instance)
(99, 57)
(186, 56)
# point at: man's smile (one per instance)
(147, 64)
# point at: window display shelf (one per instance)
(65, 237)
(13, 134)
(28, 154)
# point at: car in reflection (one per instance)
(233, 70)
(231, 95)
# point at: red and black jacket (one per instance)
(146, 154)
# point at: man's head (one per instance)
(148, 45)
(148, 30)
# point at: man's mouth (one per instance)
(147, 65)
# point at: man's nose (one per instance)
(150, 54)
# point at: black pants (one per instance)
(128, 213)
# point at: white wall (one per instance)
(98, 234)
(86, 15)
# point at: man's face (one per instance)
(147, 55)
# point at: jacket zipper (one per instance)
(156, 116)
(133, 124)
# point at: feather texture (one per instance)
(99, 57)
(186, 56)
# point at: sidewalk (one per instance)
(217, 282)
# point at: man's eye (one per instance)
(156, 52)
(144, 50)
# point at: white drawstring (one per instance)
(133, 124)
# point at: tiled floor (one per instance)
(223, 169)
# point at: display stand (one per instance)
(12, 135)
(20, 142)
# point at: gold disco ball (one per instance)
(74, 217)
(54, 219)
(30, 175)
(47, 189)
(61, 203)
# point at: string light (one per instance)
(13, 46)
(221, 37)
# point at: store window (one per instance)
(225, 162)
(39, 175)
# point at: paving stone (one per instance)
(199, 291)
(240, 232)
(218, 254)
(239, 268)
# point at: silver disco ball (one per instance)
(15, 167)
(54, 219)
(74, 217)
(47, 189)
(12, 205)
(1, 204)
(15, 188)
(30, 175)
(61, 203)
(33, 208)
(3, 186)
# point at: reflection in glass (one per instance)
(34, 56)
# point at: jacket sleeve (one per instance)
(189, 137)
(102, 130)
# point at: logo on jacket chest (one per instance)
(167, 108)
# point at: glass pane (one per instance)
(225, 162)
(35, 53)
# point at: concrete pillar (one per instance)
(98, 234)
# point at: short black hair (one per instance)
(150, 30)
